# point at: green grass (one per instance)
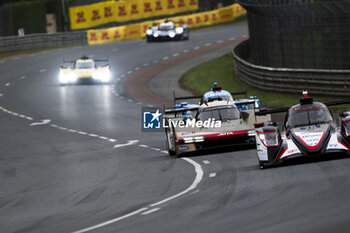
(199, 80)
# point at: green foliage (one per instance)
(30, 16)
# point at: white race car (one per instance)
(309, 131)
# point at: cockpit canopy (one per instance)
(166, 26)
(310, 114)
(222, 113)
(89, 64)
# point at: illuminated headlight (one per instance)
(106, 77)
(102, 76)
(194, 139)
(67, 78)
(251, 133)
(63, 77)
(155, 35)
(149, 32)
(172, 34)
(199, 139)
(269, 139)
(179, 30)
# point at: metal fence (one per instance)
(16, 43)
(311, 34)
(316, 81)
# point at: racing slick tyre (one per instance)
(171, 152)
(262, 165)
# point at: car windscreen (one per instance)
(84, 65)
(309, 117)
(219, 98)
(166, 27)
(223, 114)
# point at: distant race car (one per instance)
(167, 30)
(309, 130)
(84, 69)
(236, 117)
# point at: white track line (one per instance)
(150, 211)
(7, 84)
(206, 162)
(42, 70)
(111, 221)
(129, 143)
(197, 180)
(211, 175)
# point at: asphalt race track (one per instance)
(74, 159)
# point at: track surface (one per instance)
(66, 175)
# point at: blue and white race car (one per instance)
(167, 30)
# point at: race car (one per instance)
(84, 69)
(309, 130)
(216, 121)
(167, 30)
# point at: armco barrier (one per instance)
(320, 82)
(33, 41)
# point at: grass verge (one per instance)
(199, 79)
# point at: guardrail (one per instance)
(33, 41)
(320, 82)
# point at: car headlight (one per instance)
(194, 139)
(149, 32)
(269, 139)
(62, 77)
(155, 35)
(172, 34)
(67, 77)
(72, 77)
(179, 30)
(102, 76)
(106, 76)
(251, 133)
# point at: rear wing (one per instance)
(280, 110)
(72, 62)
(199, 97)
(178, 112)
